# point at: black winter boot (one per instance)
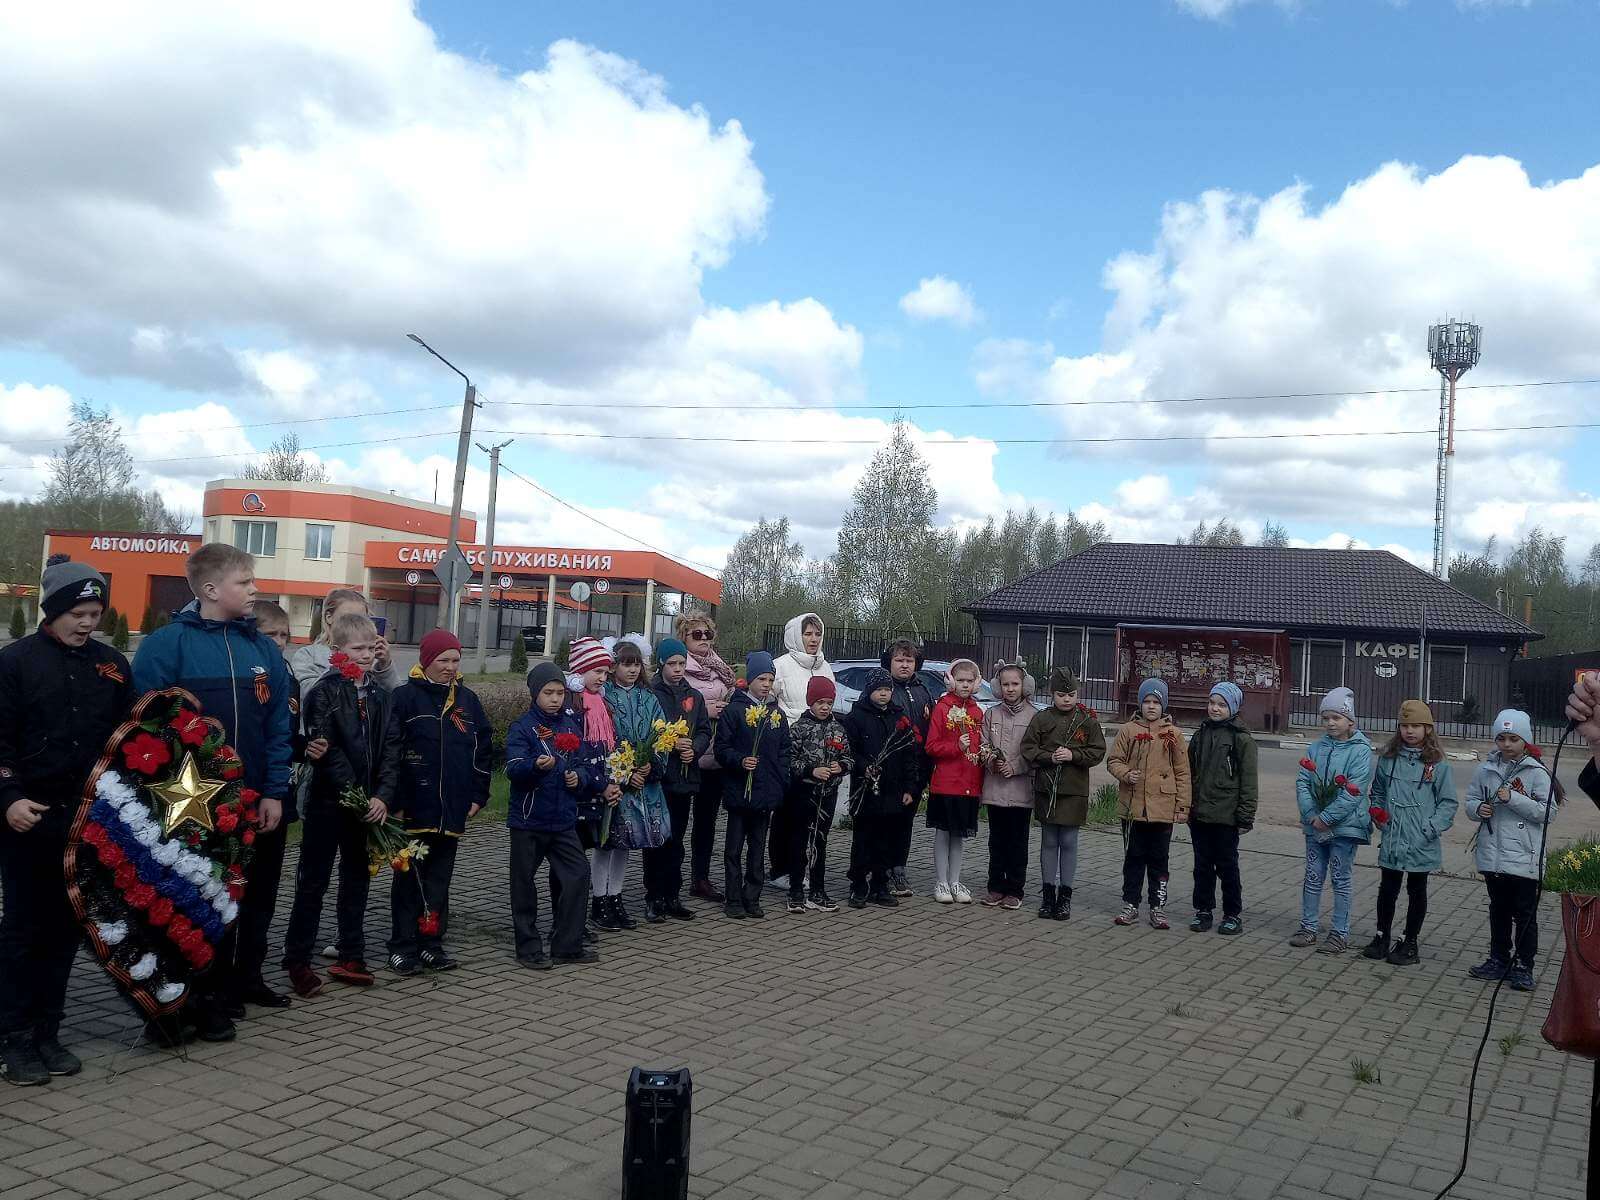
(1063, 910)
(605, 917)
(56, 1058)
(621, 915)
(1047, 902)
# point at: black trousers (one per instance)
(703, 841)
(873, 844)
(259, 904)
(746, 838)
(810, 819)
(425, 887)
(1008, 849)
(39, 935)
(1416, 900)
(782, 819)
(1149, 844)
(1216, 857)
(902, 825)
(663, 865)
(329, 832)
(570, 870)
(1511, 907)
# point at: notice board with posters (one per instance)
(1190, 660)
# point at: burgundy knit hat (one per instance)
(820, 688)
(585, 654)
(435, 643)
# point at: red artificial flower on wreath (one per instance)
(227, 819)
(111, 855)
(146, 754)
(94, 835)
(201, 956)
(160, 912)
(232, 770)
(191, 729)
(567, 741)
(428, 924)
(236, 889)
(196, 837)
(125, 877)
(248, 837)
(1380, 816)
(141, 896)
(1307, 765)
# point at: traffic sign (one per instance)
(413, 578)
(505, 581)
(579, 591)
(452, 570)
(602, 586)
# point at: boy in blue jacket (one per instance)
(752, 747)
(1331, 790)
(213, 650)
(550, 767)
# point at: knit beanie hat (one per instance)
(758, 662)
(67, 584)
(1062, 680)
(1415, 712)
(543, 673)
(669, 647)
(1156, 688)
(877, 678)
(1231, 695)
(1512, 721)
(820, 688)
(585, 654)
(434, 643)
(1341, 700)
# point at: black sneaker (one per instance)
(1377, 948)
(653, 912)
(438, 960)
(405, 964)
(899, 885)
(1490, 968)
(754, 909)
(1520, 979)
(821, 902)
(733, 911)
(857, 900)
(1404, 953)
(1201, 922)
(20, 1063)
(885, 900)
(797, 902)
(675, 908)
(56, 1058)
(1231, 927)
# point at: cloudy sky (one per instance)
(1091, 252)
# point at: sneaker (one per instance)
(1128, 916)
(885, 900)
(405, 964)
(899, 885)
(857, 899)
(1010, 903)
(1230, 927)
(1201, 922)
(353, 972)
(821, 902)
(20, 1063)
(992, 900)
(57, 1059)
(305, 982)
(1303, 938)
(704, 889)
(962, 896)
(943, 894)
(797, 902)
(1158, 919)
(675, 908)
(1377, 948)
(653, 913)
(733, 911)
(438, 960)
(1490, 968)
(1335, 943)
(754, 910)
(331, 953)
(1405, 953)
(1520, 979)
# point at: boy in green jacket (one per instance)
(1222, 770)
(1061, 744)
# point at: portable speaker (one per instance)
(655, 1138)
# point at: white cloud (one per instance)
(1217, 10)
(941, 299)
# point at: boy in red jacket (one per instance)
(955, 746)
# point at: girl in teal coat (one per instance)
(1413, 803)
(1331, 791)
(641, 819)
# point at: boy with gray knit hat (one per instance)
(1222, 771)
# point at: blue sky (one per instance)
(1012, 149)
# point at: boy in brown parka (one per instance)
(1151, 764)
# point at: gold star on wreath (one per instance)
(187, 797)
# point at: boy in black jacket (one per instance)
(62, 694)
(663, 865)
(820, 757)
(888, 753)
(902, 658)
(752, 748)
(363, 753)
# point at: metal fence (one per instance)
(842, 645)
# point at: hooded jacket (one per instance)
(1061, 790)
(447, 753)
(680, 701)
(1345, 814)
(797, 668)
(1508, 842)
(873, 731)
(1222, 774)
(1162, 796)
(1003, 728)
(541, 801)
(957, 768)
(363, 747)
(239, 677)
(1421, 801)
(737, 740)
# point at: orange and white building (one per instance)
(309, 538)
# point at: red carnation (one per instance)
(567, 742)
(232, 770)
(248, 796)
(1379, 815)
(1340, 780)
(196, 837)
(160, 912)
(125, 877)
(428, 924)
(338, 658)
(1352, 789)
(688, 704)
(903, 723)
(351, 672)
(741, 684)
(190, 728)
(146, 754)
(248, 837)
(1307, 764)
(227, 819)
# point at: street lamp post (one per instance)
(488, 552)
(448, 604)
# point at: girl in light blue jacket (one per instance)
(1331, 790)
(1512, 801)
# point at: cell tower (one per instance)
(1453, 350)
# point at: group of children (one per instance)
(613, 757)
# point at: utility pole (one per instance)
(449, 604)
(488, 550)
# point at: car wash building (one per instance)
(1287, 625)
(308, 538)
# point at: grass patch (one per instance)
(1509, 1043)
(1298, 1109)
(499, 797)
(1177, 1009)
(1574, 868)
(1103, 805)
(1364, 1072)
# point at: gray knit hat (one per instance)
(67, 584)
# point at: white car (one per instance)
(850, 677)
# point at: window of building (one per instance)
(256, 537)
(1447, 673)
(319, 541)
(1297, 667)
(1324, 666)
(1033, 644)
(1066, 648)
(1101, 660)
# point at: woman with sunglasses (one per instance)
(714, 680)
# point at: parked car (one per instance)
(851, 677)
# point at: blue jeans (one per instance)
(1340, 854)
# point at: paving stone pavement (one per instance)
(932, 1052)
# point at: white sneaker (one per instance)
(943, 894)
(331, 953)
(961, 894)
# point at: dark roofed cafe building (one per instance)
(1287, 625)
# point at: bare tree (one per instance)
(284, 460)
